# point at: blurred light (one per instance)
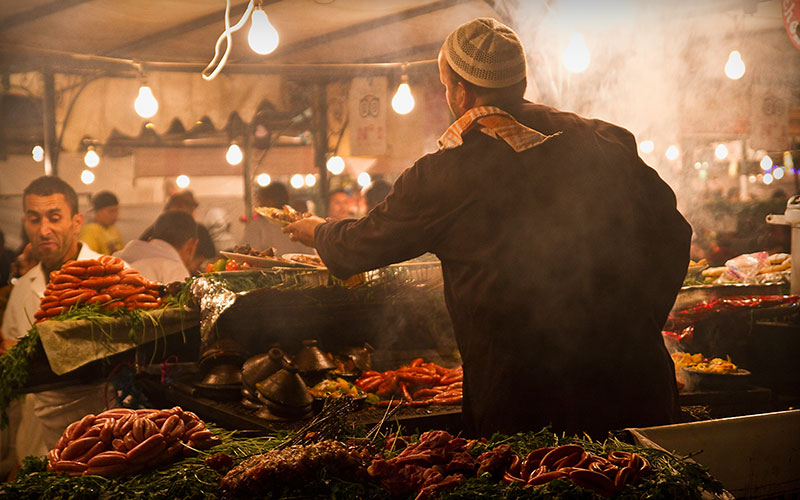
(721, 152)
(297, 181)
(788, 162)
(766, 162)
(335, 165)
(262, 37)
(91, 159)
(698, 165)
(182, 181)
(703, 174)
(311, 180)
(752, 179)
(234, 155)
(403, 101)
(576, 56)
(87, 177)
(734, 68)
(646, 146)
(672, 153)
(364, 179)
(263, 180)
(733, 168)
(767, 179)
(778, 173)
(38, 153)
(145, 103)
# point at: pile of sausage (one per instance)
(606, 476)
(124, 441)
(419, 384)
(103, 281)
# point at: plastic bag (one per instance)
(745, 267)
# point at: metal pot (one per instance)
(261, 366)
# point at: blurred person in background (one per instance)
(375, 193)
(260, 233)
(6, 260)
(542, 271)
(102, 235)
(219, 227)
(338, 204)
(169, 252)
(52, 224)
(184, 201)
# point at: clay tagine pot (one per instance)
(312, 362)
(261, 366)
(285, 393)
(225, 374)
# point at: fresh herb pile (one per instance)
(14, 371)
(191, 478)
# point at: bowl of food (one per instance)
(336, 388)
(716, 374)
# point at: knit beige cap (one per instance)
(486, 53)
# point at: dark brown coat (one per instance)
(560, 263)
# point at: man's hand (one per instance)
(303, 230)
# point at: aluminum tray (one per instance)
(697, 294)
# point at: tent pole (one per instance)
(248, 175)
(320, 121)
(49, 123)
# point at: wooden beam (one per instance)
(356, 29)
(426, 49)
(182, 29)
(30, 15)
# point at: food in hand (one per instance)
(281, 216)
(124, 441)
(103, 281)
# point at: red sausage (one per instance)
(102, 297)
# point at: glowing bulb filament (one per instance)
(145, 103)
(234, 155)
(262, 37)
(403, 101)
(38, 153)
(576, 56)
(734, 68)
(91, 159)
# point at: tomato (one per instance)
(209, 268)
(232, 265)
(245, 265)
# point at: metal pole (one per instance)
(49, 123)
(320, 121)
(247, 174)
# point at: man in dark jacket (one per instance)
(562, 251)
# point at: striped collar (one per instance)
(495, 123)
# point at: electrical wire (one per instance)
(229, 42)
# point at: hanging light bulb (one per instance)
(145, 103)
(335, 165)
(262, 37)
(646, 146)
(234, 155)
(297, 181)
(403, 101)
(778, 173)
(672, 153)
(721, 152)
(766, 163)
(182, 181)
(734, 68)
(576, 55)
(38, 153)
(263, 180)
(87, 177)
(91, 159)
(364, 179)
(311, 179)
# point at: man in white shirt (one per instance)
(52, 223)
(165, 257)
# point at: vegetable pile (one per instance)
(419, 384)
(103, 281)
(335, 389)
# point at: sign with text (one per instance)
(791, 19)
(367, 110)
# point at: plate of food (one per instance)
(255, 261)
(304, 258)
(281, 216)
(716, 373)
